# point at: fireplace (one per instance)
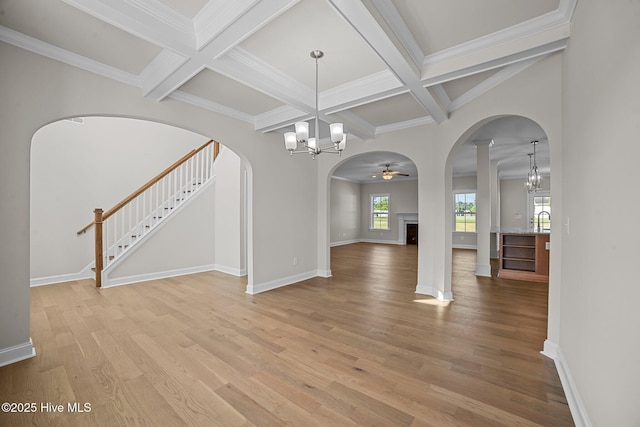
(412, 234)
(405, 219)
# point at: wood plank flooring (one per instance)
(359, 348)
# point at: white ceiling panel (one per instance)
(437, 25)
(69, 28)
(249, 59)
(225, 91)
(395, 109)
(313, 24)
(188, 8)
(458, 87)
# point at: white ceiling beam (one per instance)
(539, 36)
(31, 44)
(240, 22)
(357, 15)
(251, 71)
(491, 82)
(391, 15)
(149, 21)
(469, 69)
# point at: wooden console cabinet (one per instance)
(524, 257)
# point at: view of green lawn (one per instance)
(381, 221)
(466, 222)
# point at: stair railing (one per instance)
(119, 228)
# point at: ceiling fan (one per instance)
(388, 173)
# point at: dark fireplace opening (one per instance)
(412, 234)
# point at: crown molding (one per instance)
(550, 21)
(166, 15)
(357, 15)
(405, 125)
(151, 21)
(439, 91)
(502, 61)
(493, 81)
(163, 65)
(400, 29)
(31, 44)
(197, 101)
(279, 118)
(216, 16)
(371, 88)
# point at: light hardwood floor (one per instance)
(359, 348)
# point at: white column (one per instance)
(483, 209)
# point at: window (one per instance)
(465, 211)
(380, 211)
(540, 213)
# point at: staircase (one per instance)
(120, 229)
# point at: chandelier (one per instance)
(534, 178)
(299, 142)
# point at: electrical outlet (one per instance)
(295, 260)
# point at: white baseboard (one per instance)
(17, 353)
(278, 283)
(127, 280)
(436, 293)
(324, 273)
(578, 411)
(344, 242)
(385, 242)
(51, 280)
(550, 349)
(231, 270)
(458, 246)
(483, 270)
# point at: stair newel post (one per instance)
(98, 240)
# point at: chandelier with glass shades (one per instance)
(534, 178)
(299, 142)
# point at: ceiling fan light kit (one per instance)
(388, 174)
(299, 142)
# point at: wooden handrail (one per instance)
(154, 180)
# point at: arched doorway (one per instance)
(94, 162)
(487, 170)
(373, 198)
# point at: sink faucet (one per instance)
(542, 212)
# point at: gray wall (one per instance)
(599, 316)
(403, 198)
(350, 209)
(345, 211)
(514, 204)
(76, 168)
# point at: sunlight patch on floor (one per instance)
(433, 301)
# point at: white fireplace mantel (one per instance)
(405, 218)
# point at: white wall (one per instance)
(36, 91)
(228, 213)
(599, 340)
(76, 168)
(345, 211)
(403, 198)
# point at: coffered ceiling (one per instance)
(388, 64)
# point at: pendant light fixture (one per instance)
(534, 178)
(299, 142)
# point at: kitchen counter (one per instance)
(524, 256)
